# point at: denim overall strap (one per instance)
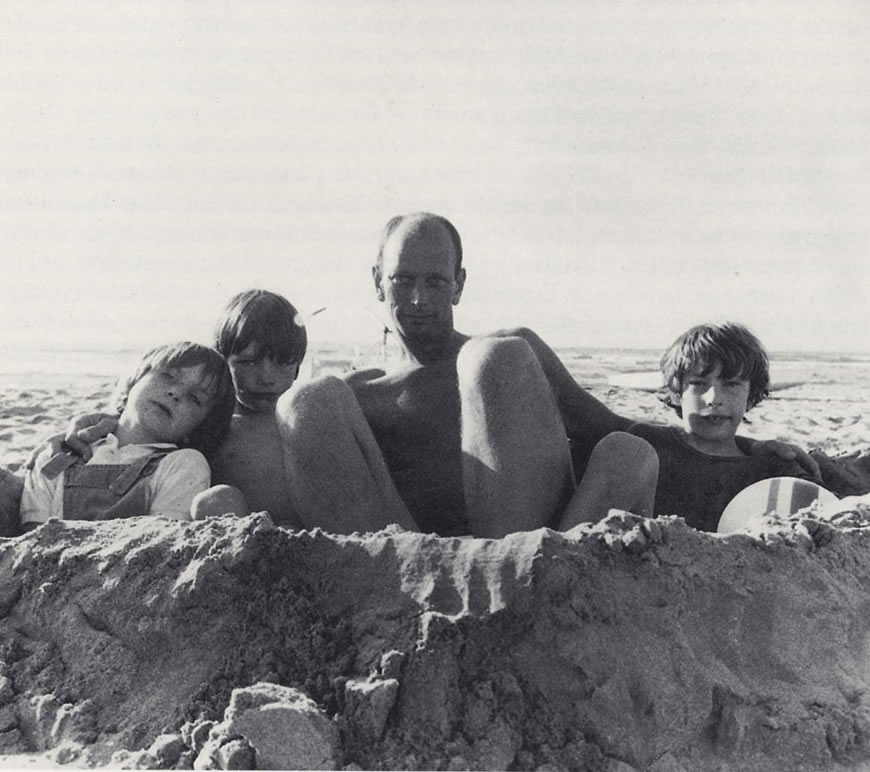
(109, 491)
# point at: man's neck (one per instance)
(431, 351)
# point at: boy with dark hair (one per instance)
(713, 375)
(263, 338)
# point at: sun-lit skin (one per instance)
(259, 380)
(713, 408)
(165, 405)
(251, 457)
(419, 285)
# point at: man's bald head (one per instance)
(420, 222)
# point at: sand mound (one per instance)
(631, 644)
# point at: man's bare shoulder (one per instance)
(512, 332)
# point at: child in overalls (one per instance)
(264, 340)
(174, 411)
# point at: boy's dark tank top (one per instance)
(697, 486)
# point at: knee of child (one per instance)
(217, 501)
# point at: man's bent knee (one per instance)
(626, 452)
(482, 359)
(324, 390)
(314, 405)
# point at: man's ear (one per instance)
(379, 285)
(460, 285)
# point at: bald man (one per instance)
(463, 435)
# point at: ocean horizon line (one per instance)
(332, 345)
(107, 362)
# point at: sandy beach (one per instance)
(829, 410)
(646, 644)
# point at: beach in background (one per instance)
(828, 408)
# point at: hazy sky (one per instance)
(618, 170)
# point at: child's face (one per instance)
(166, 405)
(713, 408)
(259, 380)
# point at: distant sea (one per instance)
(29, 367)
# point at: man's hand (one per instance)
(81, 433)
(85, 430)
(788, 452)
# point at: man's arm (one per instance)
(783, 450)
(81, 433)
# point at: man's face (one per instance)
(418, 281)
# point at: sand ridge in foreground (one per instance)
(632, 644)
(629, 645)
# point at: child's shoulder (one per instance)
(187, 460)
